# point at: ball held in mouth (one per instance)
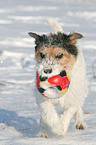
(59, 83)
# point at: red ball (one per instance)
(60, 81)
(57, 80)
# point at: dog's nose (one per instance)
(48, 71)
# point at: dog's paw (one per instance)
(80, 126)
(43, 135)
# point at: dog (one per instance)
(54, 51)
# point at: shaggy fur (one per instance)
(72, 101)
(60, 40)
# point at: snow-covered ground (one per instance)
(19, 114)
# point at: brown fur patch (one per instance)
(61, 40)
(67, 58)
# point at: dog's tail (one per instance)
(54, 24)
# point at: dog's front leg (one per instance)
(79, 124)
(43, 129)
(66, 117)
(51, 118)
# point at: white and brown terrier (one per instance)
(53, 51)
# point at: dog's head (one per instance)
(53, 51)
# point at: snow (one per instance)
(19, 113)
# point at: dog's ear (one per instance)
(74, 36)
(34, 35)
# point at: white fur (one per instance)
(46, 63)
(72, 102)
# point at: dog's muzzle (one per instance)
(48, 71)
(48, 67)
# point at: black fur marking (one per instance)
(41, 90)
(63, 73)
(57, 40)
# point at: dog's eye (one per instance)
(42, 55)
(59, 56)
